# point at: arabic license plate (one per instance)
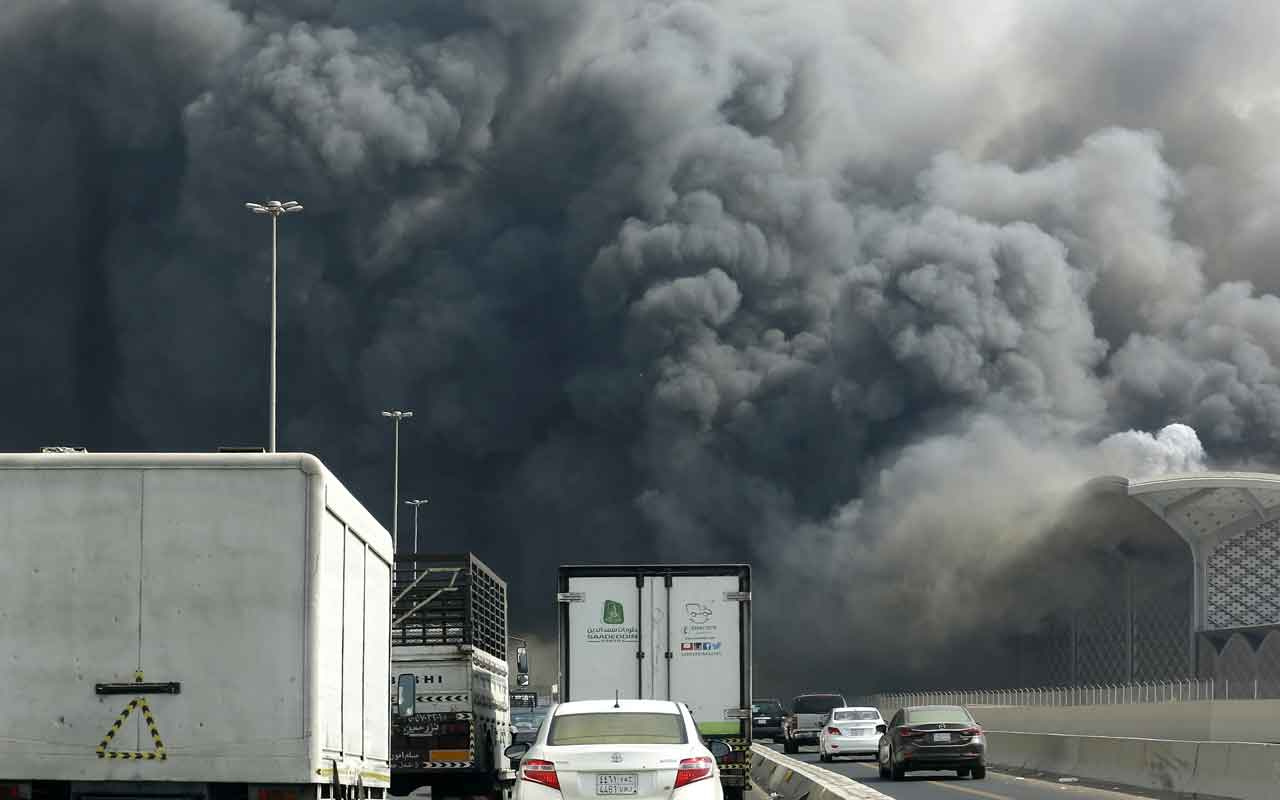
(615, 784)
(942, 737)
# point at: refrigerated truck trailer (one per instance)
(664, 631)
(451, 711)
(190, 627)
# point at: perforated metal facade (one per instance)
(1244, 579)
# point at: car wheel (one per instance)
(896, 771)
(963, 772)
(979, 772)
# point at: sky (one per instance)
(856, 291)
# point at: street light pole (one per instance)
(417, 504)
(275, 209)
(395, 502)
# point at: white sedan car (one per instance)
(850, 732)
(642, 749)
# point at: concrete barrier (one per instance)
(1192, 721)
(789, 779)
(1239, 770)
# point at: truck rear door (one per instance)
(603, 638)
(704, 638)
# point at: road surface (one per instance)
(946, 786)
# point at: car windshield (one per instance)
(918, 716)
(623, 728)
(528, 720)
(857, 714)
(818, 703)
(766, 707)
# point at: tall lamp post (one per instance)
(275, 209)
(417, 505)
(398, 416)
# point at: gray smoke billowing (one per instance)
(850, 289)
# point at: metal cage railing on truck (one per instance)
(448, 599)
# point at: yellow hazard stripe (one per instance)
(158, 754)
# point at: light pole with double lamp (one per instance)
(398, 416)
(275, 209)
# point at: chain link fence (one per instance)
(1173, 691)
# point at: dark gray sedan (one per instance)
(932, 738)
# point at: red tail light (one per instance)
(974, 731)
(833, 731)
(906, 732)
(693, 769)
(15, 791)
(535, 770)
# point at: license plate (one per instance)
(762, 720)
(615, 784)
(942, 737)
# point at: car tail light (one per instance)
(535, 770)
(693, 769)
(833, 731)
(15, 791)
(906, 732)
(974, 731)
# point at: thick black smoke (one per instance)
(850, 289)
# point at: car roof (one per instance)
(618, 707)
(934, 705)
(820, 694)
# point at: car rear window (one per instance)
(766, 708)
(855, 715)
(923, 716)
(622, 728)
(818, 703)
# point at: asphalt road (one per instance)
(946, 786)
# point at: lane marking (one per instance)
(967, 790)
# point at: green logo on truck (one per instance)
(612, 612)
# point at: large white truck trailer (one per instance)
(190, 627)
(664, 632)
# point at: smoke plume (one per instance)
(858, 291)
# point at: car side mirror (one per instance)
(719, 749)
(882, 728)
(516, 751)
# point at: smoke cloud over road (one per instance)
(855, 290)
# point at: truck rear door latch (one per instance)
(138, 687)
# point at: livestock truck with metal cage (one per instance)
(190, 627)
(664, 632)
(450, 708)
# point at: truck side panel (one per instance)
(333, 536)
(377, 655)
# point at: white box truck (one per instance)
(677, 632)
(190, 627)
